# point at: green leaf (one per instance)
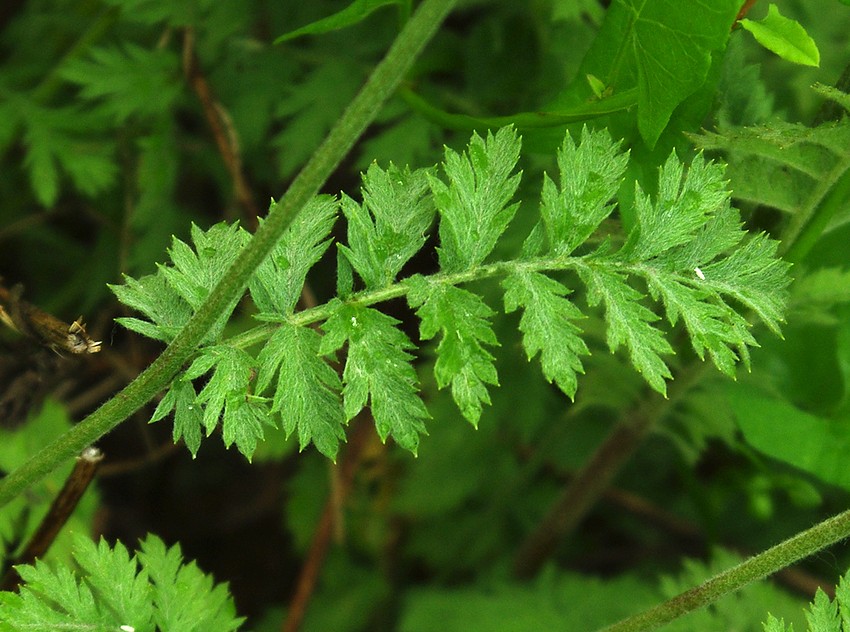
(63, 137)
(164, 297)
(787, 38)
(712, 326)
(590, 175)
(154, 297)
(197, 270)
(112, 576)
(462, 361)
(128, 81)
(307, 389)
(278, 281)
(664, 47)
(225, 396)
(378, 370)
(547, 326)
(304, 125)
(390, 226)
(355, 12)
(813, 443)
(683, 205)
(111, 592)
(184, 597)
(823, 614)
(473, 207)
(842, 597)
(776, 625)
(629, 323)
(755, 276)
(188, 416)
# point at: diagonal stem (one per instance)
(359, 114)
(760, 566)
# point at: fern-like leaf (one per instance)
(188, 415)
(170, 297)
(473, 206)
(377, 371)
(226, 397)
(590, 175)
(114, 591)
(306, 393)
(390, 226)
(127, 81)
(548, 326)
(278, 281)
(463, 319)
(687, 251)
(629, 324)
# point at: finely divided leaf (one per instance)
(128, 81)
(307, 389)
(188, 416)
(115, 579)
(629, 323)
(756, 277)
(712, 325)
(169, 298)
(184, 597)
(111, 592)
(473, 207)
(62, 137)
(462, 360)
(378, 369)
(226, 396)
(278, 281)
(389, 227)
(680, 247)
(590, 175)
(823, 614)
(196, 271)
(682, 207)
(157, 300)
(547, 326)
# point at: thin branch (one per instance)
(63, 506)
(323, 535)
(29, 320)
(224, 134)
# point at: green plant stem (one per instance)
(806, 226)
(362, 111)
(758, 567)
(808, 233)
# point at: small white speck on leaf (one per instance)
(128, 628)
(699, 274)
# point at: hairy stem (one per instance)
(362, 110)
(773, 559)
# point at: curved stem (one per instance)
(758, 567)
(362, 110)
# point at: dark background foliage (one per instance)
(124, 122)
